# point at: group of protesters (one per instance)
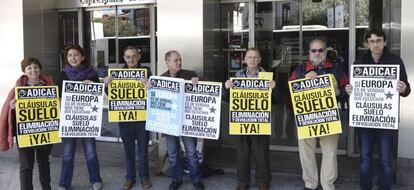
(78, 68)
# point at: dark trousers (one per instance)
(131, 132)
(384, 140)
(26, 161)
(259, 144)
(68, 161)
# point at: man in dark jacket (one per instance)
(132, 132)
(378, 54)
(173, 61)
(319, 65)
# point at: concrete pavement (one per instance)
(113, 172)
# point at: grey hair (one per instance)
(168, 54)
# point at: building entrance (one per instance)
(104, 32)
(282, 30)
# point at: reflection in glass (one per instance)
(134, 22)
(279, 45)
(235, 27)
(109, 32)
(102, 23)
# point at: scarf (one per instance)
(80, 73)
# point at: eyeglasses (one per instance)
(379, 40)
(320, 50)
(130, 57)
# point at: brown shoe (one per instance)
(146, 183)
(129, 184)
(264, 187)
(242, 187)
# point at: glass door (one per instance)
(68, 32)
(283, 30)
(234, 31)
(277, 37)
(108, 31)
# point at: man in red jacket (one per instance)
(319, 65)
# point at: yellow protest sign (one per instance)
(37, 115)
(315, 107)
(127, 95)
(250, 107)
(266, 75)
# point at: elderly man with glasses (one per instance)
(319, 65)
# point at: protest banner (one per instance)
(127, 97)
(266, 75)
(81, 109)
(165, 105)
(315, 107)
(37, 115)
(374, 101)
(202, 106)
(250, 107)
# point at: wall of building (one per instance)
(11, 40)
(180, 27)
(406, 140)
(405, 161)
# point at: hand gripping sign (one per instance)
(127, 95)
(374, 101)
(250, 107)
(315, 107)
(81, 109)
(37, 115)
(165, 105)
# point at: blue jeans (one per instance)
(89, 148)
(384, 140)
(131, 132)
(176, 163)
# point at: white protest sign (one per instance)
(202, 106)
(374, 102)
(81, 109)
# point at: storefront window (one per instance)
(234, 35)
(278, 27)
(134, 22)
(108, 31)
(102, 23)
(277, 37)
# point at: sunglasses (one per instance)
(320, 50)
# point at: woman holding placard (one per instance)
(77, 68)
(31, 68)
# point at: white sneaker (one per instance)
(97, 186)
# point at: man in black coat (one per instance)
(368, 137)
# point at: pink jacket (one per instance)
(6, 121)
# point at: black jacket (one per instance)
(390, 59)
(140, 67)
(62, 76)
(184, 74)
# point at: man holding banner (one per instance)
(249, 140)
(382, 136)
(319, 65)
(40, 146)
(133, 131)
(174, 63)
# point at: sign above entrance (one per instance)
(87, 3)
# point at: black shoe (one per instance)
(175, 185)
(198, 185)
(309, 188)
